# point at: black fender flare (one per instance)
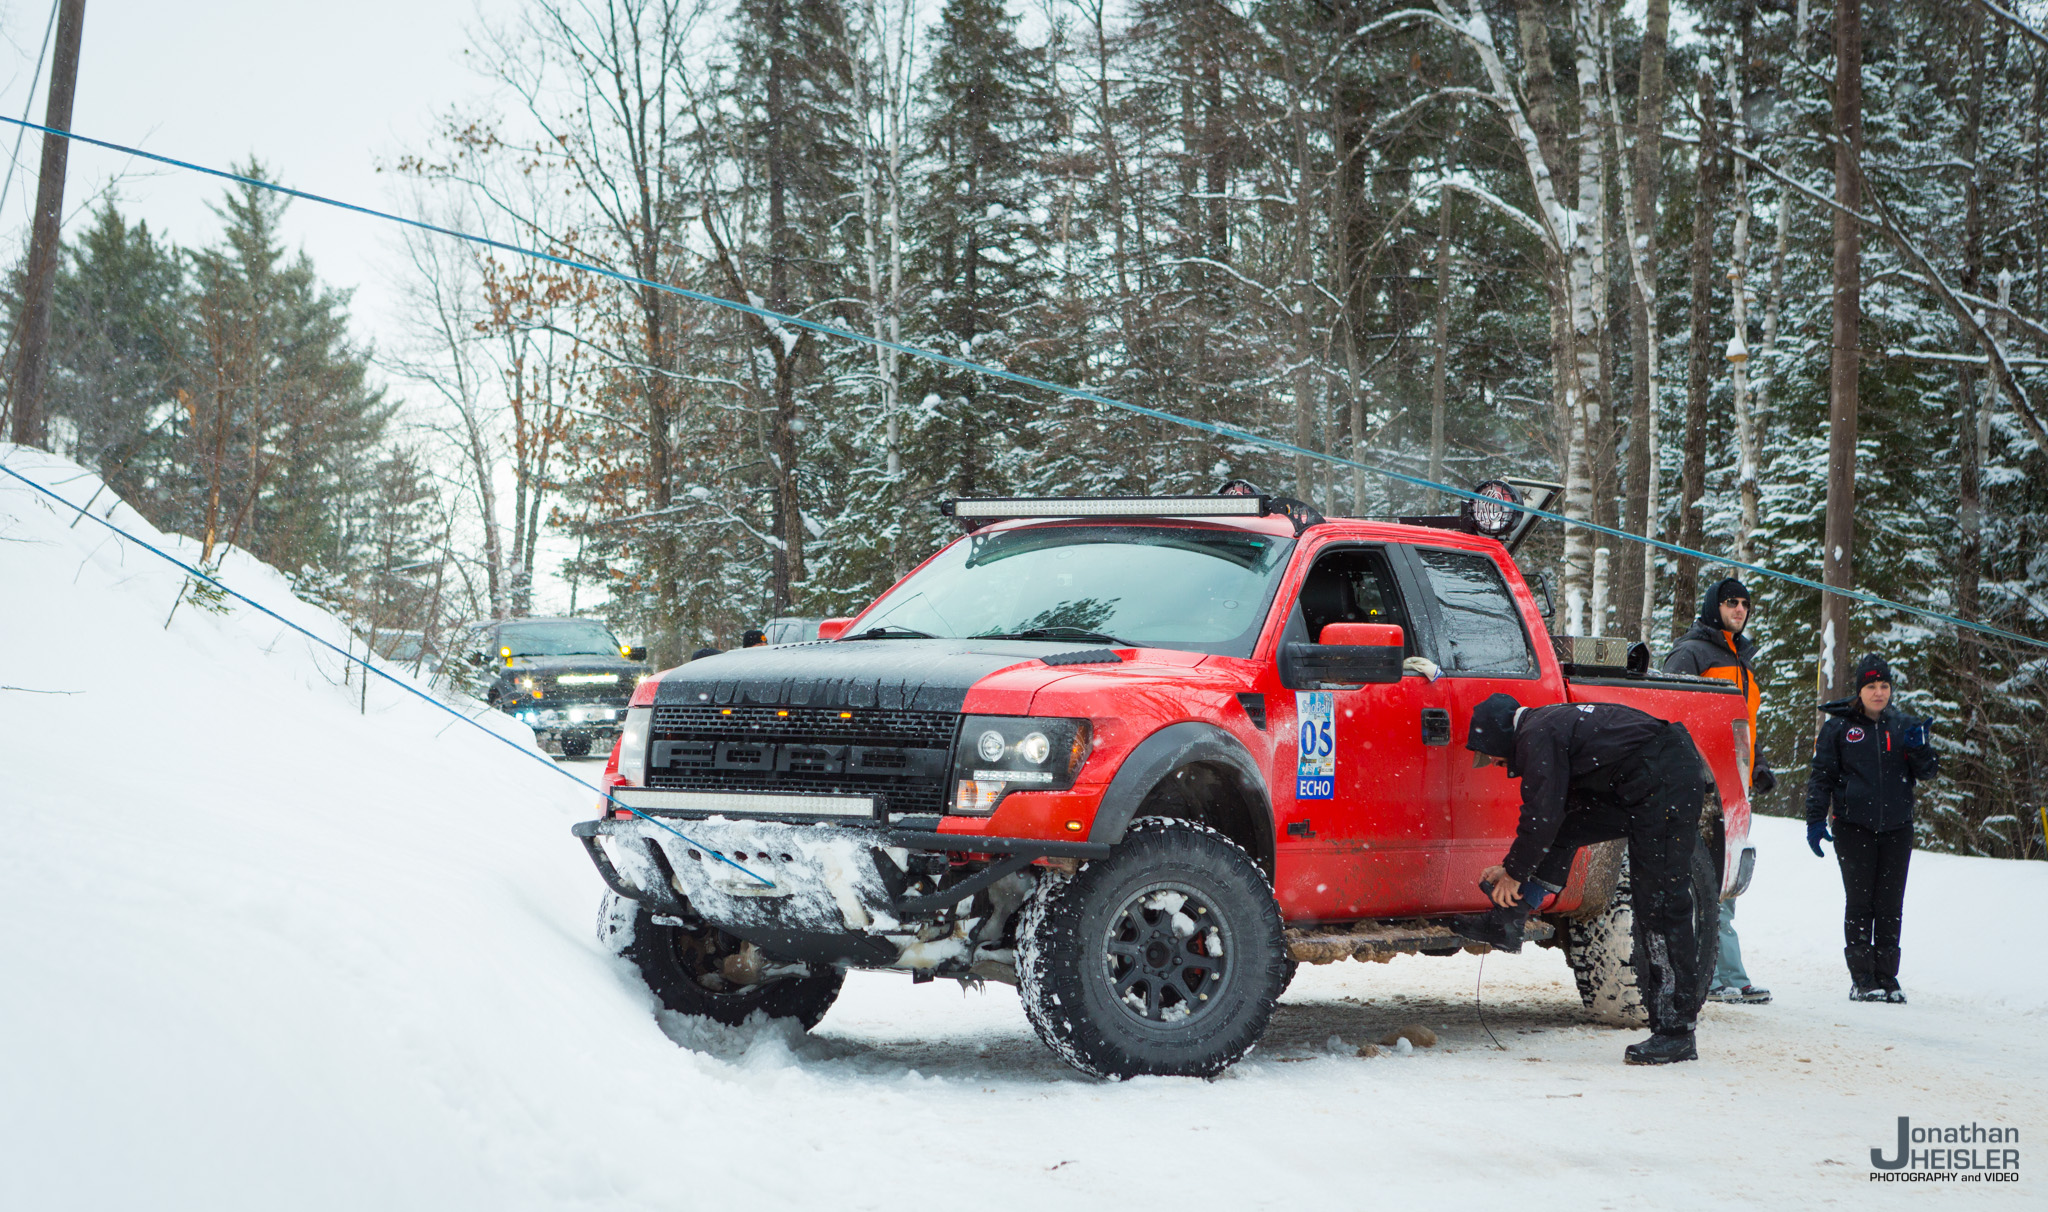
(1168, 750)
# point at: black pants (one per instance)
(1652, 799)
(1874, 894)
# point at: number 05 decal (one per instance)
(1316, 714)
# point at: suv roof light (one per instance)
(989, 509)
(979, 511)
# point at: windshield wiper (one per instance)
(890, 632)
(1062, 633)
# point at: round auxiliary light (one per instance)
(1035, 749)
(1492, 515)
(990, 746)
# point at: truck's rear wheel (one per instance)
(1601, 949)
(707, 973)
(1164, 958)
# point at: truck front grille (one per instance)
(901, 757)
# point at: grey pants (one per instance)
(1728, 972)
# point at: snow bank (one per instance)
(265, 948)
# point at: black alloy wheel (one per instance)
(1164, 958)
(1167, 956)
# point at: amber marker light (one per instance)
(1073, 826)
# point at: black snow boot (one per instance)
(1662, 1048)
(1887, 972)
(1499, 928)
(1864, 985)
(1502, 928)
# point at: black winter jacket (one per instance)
(1556, 746)
(1862, 769)
(1709, 651)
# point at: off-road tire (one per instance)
(1601, 949)
(575, 746)
(671, 961)
(1075, 944)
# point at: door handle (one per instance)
(1436, 726)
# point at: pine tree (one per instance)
(114, 341)
(980, 250)
(279, 404)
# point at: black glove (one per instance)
(1761, 780)
(1915, 736)
(1816, 833)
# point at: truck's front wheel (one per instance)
(707, 973)
(1164, 958)
(1601, 949)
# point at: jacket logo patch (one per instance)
(1854, 735)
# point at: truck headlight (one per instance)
(998, 754)
(633, 746)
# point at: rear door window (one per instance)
(1479, 626)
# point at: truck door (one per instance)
(1369, 815)
(1483, 648)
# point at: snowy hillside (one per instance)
(261, 947)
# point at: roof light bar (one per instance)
(991, 509)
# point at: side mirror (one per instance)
(832, 629)
(1541, 584)
(1350, 654)
(636, 653)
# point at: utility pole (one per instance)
(1438, 377)
(1838, 555)
(32, 366)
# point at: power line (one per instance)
(1079, 393)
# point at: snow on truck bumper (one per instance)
(836, 893)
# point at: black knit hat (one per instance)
(1871, 669)
(1710, 606)
(1493, 726)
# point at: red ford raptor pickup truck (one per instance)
(1139, 757)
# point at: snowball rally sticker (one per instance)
(1316, 775)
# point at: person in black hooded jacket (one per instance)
(1866, 761)
(1717, 647)
(1592, 772)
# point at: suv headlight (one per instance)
(633, 746)
(998, 754)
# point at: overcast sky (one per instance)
(322, 93)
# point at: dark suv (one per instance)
(569, 679)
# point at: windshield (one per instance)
(570, 637)
(1157, 586)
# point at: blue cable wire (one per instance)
(415, 691)
(1225, 431)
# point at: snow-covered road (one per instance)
(264, 949)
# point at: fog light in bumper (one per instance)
(977, 797)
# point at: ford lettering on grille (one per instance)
(900, 757)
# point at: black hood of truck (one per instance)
(902, 675)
